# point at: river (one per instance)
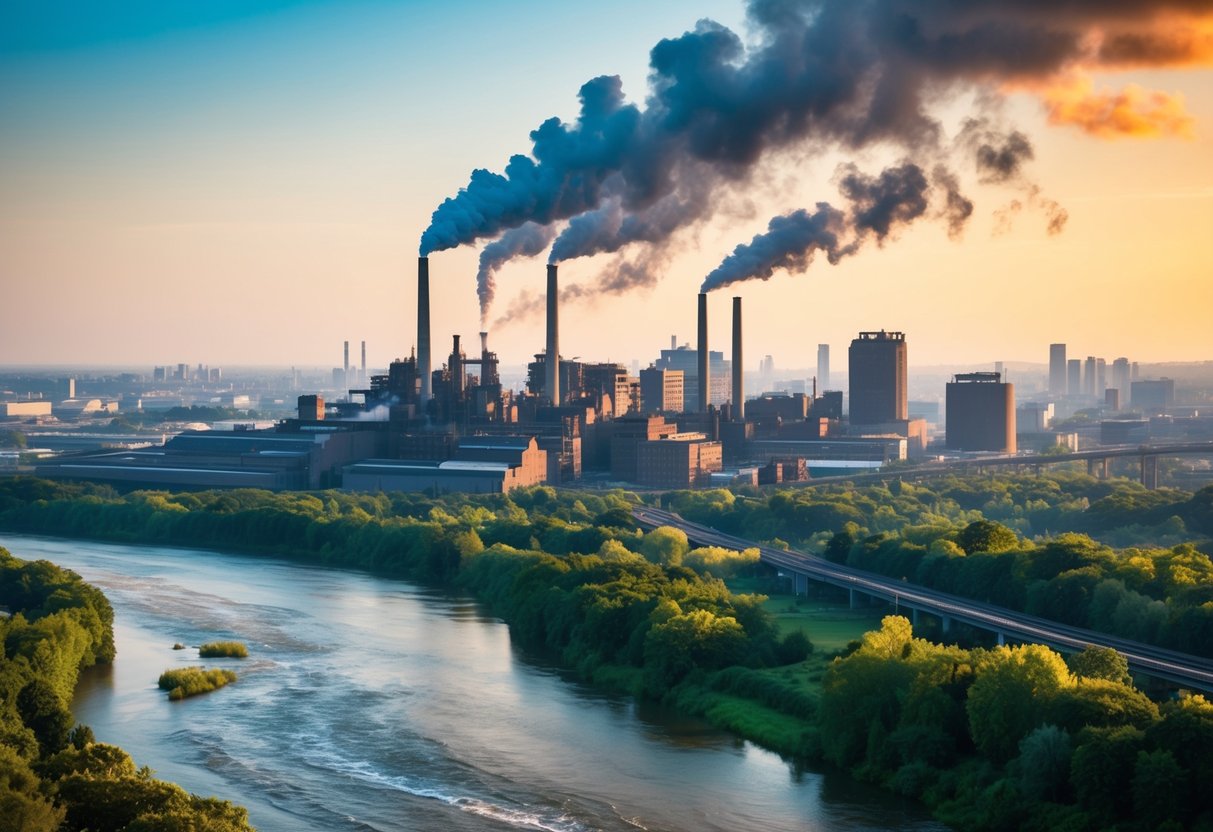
(374, 704)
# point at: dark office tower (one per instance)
(1088, 376)
(552, 377)
(823, 367)
(423, 329)
(1057, 369)
(1074, 376)
(878, 378)
(705, 387)
(980, 412)
(738, 380)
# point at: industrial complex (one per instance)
(686, 420)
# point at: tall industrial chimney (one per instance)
(553, 344)
(704, 379)
(738, 381)
(423, 328)
(346, 366)
(484, 343)
(364, 362)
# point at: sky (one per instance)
(246, 183)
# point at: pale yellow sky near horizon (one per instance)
(214, 214)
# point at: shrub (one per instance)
(223, 649)
(191, 681)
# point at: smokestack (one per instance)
(704, 378)
(673, 342)
(738, 391)
(364, 361)
(457, 369)
(423, 328)
(346, 366)
(553, 344)
(484, 343)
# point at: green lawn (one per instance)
(828, 624)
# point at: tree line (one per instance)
(1017, 738)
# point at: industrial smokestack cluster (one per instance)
(738, 379)
(704, 379)
(423, 328)
(553, 342)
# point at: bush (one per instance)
(191, 681)
(223, 649)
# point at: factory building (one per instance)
(980, 413)
(481, 465)
(681, 460)
(228, 459)
(878, 362)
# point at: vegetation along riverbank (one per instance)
(967, 728)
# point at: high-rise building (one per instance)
(1121, 378)
(1088, 376)
(1153, 396)
(661, 391)
(1074, 377)
(1057, 369)
(1101, 376)
(980, 413)
(720, 373)
(877, 367)
(823, 367)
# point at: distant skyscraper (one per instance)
(1121, 378)
(1088, 376)
(980, 413)
(1057, 369)
(823, 367)
(877, 366)
(1074, 377)
(1101, 376)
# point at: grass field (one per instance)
(829, 624)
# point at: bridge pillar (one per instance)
(1002, 639)
(1149, 471)
(851, 598)
(1098, 468)
(945, 623)
(914, 617)
(800, 584)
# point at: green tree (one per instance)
(23, 807)
(1095, 662)
(1044, 763)
(1011, 695)
(986, 536)
(44, 713)
(1160, 789)
(665, 545)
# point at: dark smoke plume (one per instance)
(825, 75)
(527, 240)
(879, 206)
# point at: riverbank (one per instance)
(371, 702)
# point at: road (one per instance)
(1180, 668)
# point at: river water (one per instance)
(373, 704)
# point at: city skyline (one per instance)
(246, 186)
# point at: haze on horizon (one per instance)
(245, 183)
